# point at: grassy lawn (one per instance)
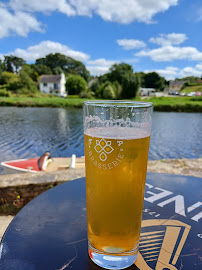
(177, 104)
(192, 88)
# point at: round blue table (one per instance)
(50, 232)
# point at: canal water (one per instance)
(29, 132)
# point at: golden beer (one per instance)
(115, 182)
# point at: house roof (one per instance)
(50, 79)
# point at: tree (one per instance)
(154, 80)
(1, 66)
(13, 63)
(118, 89)
(31, 71)
(117, 71)
(141, 76)
(26, 82)
(42, 69)
(123, 74)
(108, 92)
(75, 84)
(67, 65)
(8, 77)
(130, 84)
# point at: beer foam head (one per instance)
(117, 119)
(124, 129)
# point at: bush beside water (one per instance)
(164, 104)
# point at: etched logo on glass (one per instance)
(104, 148)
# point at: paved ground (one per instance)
(4, 222)
(191, 167)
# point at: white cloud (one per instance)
(170, 53)
(120, 11)
(100, 66)
(170, 73)
(129, 44)
(17, 23)
(102, 62)
(190, 71)
(43, 6)
(199, 67)
(97, 70)
(46, 47)
(169, 39)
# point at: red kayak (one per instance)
(43, 163)
(28, 165)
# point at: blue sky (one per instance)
(151, 35)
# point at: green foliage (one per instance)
(8, 77)
(66, 64)
(42, 69)
(85, 94)
(75, 84)
(95, 86)
(57, 70)
(141, 76)
(117, 71)
(13, 63)
(27, 83)
(99, 92)
(30, 70)
(125, 83)
(197, 98)
(154, 80)
(24, 84)
(178, 104)
(130, 84)
(118, 89)
(191, 79)
(191, 88)
(108, 92)
(2, 67)
(4, 93)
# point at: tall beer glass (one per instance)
(116, 137)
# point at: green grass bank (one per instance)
(163, 104)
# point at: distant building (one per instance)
(147, 91)
(53, 84)
(175, 86)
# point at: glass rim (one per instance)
(118, 103)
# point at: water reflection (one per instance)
(29, 132)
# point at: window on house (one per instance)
(56, 86)
(56, 91)
(45, 84)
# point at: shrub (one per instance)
(197, 98)
(23, 91)
(8, 77)
(4, 93)
(85, 94)
(75, 84)
(118, 89)
(108, 92)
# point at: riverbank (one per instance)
(163, 104)
(16, 190)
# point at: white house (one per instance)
(53, 84)
(147, 91)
